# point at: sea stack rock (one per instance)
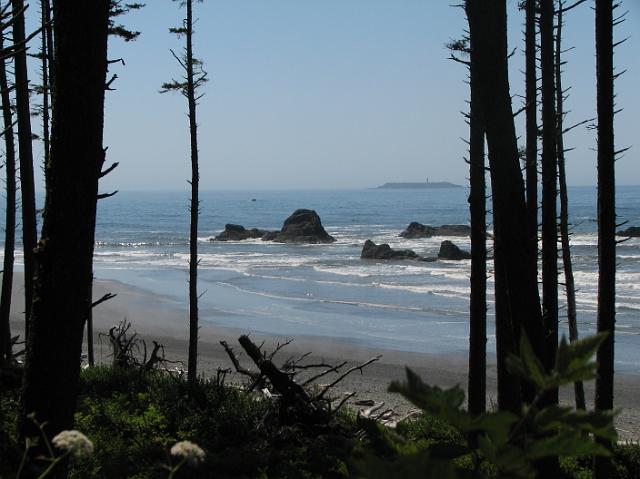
(303, 226)
(450, 251)
(453, 230)
(631, 232)
(370, 250)
(418, 230)
(238, 233)
(270, 235)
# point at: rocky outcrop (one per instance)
(453, 230)
(450, 251)
(631, 232)
(303, 226)
(370, 250)
(418, 230)
(270, 235)
(238, 233)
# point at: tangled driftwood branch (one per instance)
(129, 351)
(292, 384)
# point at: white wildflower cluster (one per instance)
(189, 451)
(73, 442)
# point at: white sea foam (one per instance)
(138, 244)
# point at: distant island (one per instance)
(427, 184)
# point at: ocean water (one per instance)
(327, 290)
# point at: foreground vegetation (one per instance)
(134, 416)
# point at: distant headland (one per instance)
(427, 184)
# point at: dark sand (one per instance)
(155, 317)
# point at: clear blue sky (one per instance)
(330, 94)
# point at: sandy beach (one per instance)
(154, 317)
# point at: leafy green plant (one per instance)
(494, 443)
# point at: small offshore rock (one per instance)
(238, 233)
(370, 250)
(450, 251)
(631, 232)
(270, 235)
(418, 230)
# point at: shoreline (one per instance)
(155, 317)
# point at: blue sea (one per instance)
(327, 290)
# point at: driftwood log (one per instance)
(129, 351)
(293, 396)
(299, 401)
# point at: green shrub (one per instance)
(134, 417)
(494, 443)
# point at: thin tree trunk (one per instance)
(90, 353)
(513, 248)
(549, 192)
(27, 188)
(46, 6)
(65, 251)
(478, 299)
(531, 94)
(564, 207)
(606, 216)
(45, 81)
(194, 208)
(531, 133)
(6, 354)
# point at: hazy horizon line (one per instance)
(323, 188)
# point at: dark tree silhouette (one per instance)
(478, 299)
(531, 99)
(45, 58)
(549, 191)
(27, 188)
(194, 78)
(116, 10)
(477, 380)
(606, 215)
(48, 28)
(65, 250)
(6, 354)
(516, 281)
(570, 288)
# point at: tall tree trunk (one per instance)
(513, 249)
(478, 300)
(531, 133)
(48, 27)
(195, 205)
(44, 66)
(509, 385)
(531, 98)
(65, 251)
(6, 354)
(564, 206)
(606, 215)
(27, 188)
(549, 192)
